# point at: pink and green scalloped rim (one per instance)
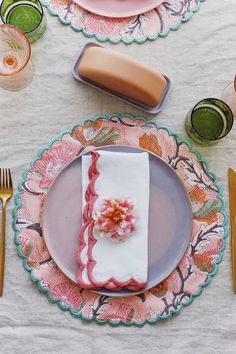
(120, 322)
(129, 41)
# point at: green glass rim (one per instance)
(41, 13)
(196, 109)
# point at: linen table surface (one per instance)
(200, 60)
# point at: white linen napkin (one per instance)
(103, 262)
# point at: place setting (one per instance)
(127, 21)
(146, 276)
(118, 219)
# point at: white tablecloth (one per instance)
(200, 59)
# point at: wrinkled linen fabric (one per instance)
(200, 60)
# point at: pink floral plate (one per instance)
(170, 220)
(200, 261)
(158, 22)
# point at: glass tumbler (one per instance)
(229, 96)
(16, 70)
(27, 15)
(209, 121)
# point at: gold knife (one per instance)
(232, 206)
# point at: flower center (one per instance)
(116, 216)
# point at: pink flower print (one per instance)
(53, 161)
(125, 312)
(205, 259)
(213, 247)
(118, 311)
(174, 282)
(60, 3)
(26, 246)
(68, 294)
(98, 24)
(167, 144)
(34, 247)
(203, 262)
(96, 133)
(115, 219)
(160, 290)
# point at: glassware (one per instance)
(209, 121)
(27, 15)
(16, 70)
(229, 96)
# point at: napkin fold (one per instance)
(113, 250)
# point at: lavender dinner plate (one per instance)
(170, 220)
(118, 8)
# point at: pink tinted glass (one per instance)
(16, 71)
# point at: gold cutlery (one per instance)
(232, 206)
(6, 191)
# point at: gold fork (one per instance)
(6, 191)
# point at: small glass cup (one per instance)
(27, 15)
(16, 70)
(209, 121)
(229, 96)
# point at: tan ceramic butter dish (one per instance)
(123, 77)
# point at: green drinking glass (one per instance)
(27, 15)
(209, 121)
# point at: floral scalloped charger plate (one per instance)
(169, 15)
(200, 261)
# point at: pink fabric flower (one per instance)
(53, 161)
(115, 219)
